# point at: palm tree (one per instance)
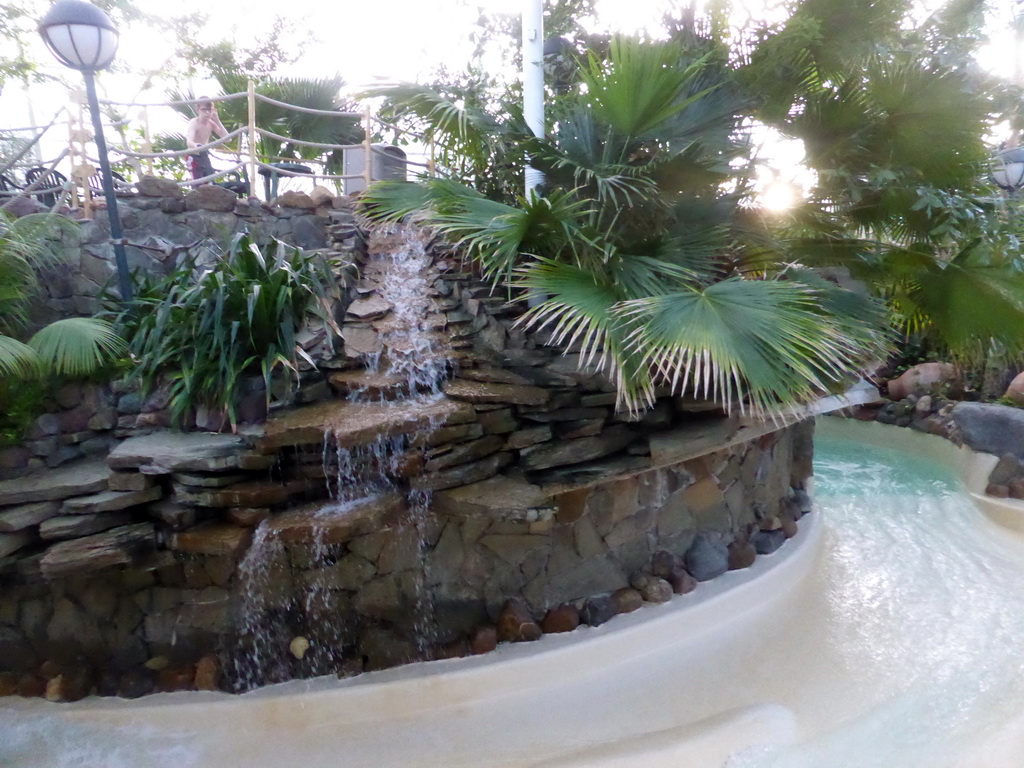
(70, 347)
(646, 252)
(893, 118)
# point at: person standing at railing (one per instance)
(200, 129)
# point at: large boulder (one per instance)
(922, 379)
(151, 186)
(1015, 392)
(210, 197)
(991, 428)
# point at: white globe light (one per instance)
(1008, 168)
(80, 35)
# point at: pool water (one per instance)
(888, 634)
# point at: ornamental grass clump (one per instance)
(203, 330)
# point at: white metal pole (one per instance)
(533, 80)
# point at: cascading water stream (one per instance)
(900, 648)
(415, 362)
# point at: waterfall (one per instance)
(287, 588)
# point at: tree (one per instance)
(637, 254)
(650, 250)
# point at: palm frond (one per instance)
(77, 346)
(18, 360)
(755, 344)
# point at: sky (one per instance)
(366, 43)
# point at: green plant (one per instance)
(74, 346)
(29, 362)
(637, 254)
(202, 329)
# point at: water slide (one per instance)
(887, 634)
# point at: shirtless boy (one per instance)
(199, 131)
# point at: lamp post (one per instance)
(533, 81)
(82, 37)
(1007, 169)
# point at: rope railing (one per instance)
(25, 150)
(246, 155)
(301, 143)
(179, 152)
(306, 110)
(177, 103)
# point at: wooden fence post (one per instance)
(147, 140)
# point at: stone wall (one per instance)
(514, 501)
(160, 221)
(86, 420)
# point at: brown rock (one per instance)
(31, 686)
(494, 392)
(1017, 489)
(109, 501)
(462, 453)
(484, 639)
(248, 494)
(789, 526)
(64, 482)
(369, 308)
(355, 424)
(176, 678)
(524, 438)
(8, 684)
(921, 379)
(69, 686)
(12, 542)
(998, 491)
(681, 581)
(456, 649)
(65, 527)
(664, 562)
(515, 624)
(361, 341)
(308, 525)
(741, 555)
(113, 548)
(293, 199)
(130, 481)
(571, 505)
(627, 600)
(207, 676)
(211, 539)
(248, 517)
(151, 186)
(463, 474)
(562, 618)
(210, 197)
(375, 386)
(575, 451)
(651, 588)
(321, 196)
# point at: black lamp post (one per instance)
(82, 37)
(1007, 169)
